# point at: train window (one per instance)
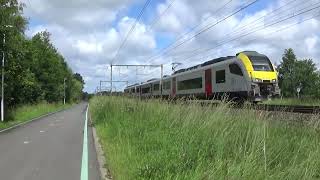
(235, 69)
(156, 87)
(138, 89)
(190, 84)
(261, 63)
(167, 85)
(145, 90)
(220, 76)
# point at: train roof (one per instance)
(131, 86)
(153, 79)
(207, 63)
(251, 53)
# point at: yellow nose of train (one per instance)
(258, 67)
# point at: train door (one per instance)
(208, 83)
(174, 87)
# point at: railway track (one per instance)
(289, 108)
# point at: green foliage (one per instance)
(294, 73)
(34, 69)
(158, 140)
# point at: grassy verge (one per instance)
(294, 101)
(157, 140)
(28, 112)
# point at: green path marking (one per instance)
(84, 166)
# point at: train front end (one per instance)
(263, 80)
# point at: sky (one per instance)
(89, 33)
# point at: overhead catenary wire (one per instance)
(260, 27)
(208, 28)
(282, 29)
(155, 21)
(262, 18)
(159, 18)
(269, 25)
(146, 4)
(192, 29)
(170, 5)
(251, 32)
(249, 24)
(289, 26)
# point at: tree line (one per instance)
(34, 70)
(301, 74)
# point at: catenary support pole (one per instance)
(2, 80)
(100, 89)
(161, 79)
(64, 90)
(111, 81)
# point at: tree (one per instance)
(286, 70)
(295, 73)
(34, 69)
(317, 86)
(78, 77)
(305, 76)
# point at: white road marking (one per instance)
(42, 131)
(84, 164)
(26, 142)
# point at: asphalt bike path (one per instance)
(50, 148)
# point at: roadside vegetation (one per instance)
(160, 140)
(27, 112)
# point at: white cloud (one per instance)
(89, 53)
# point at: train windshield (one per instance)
(261, 63)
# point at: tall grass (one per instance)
(28, 112)
(159, 140)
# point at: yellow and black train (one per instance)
(247, 76)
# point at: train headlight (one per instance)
(274, 80)
(257, 80)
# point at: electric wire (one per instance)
(132, 29)
(192, 29)
(208, 27)
(251, 23)
(204, 50)
(251, 32)
(161, 14)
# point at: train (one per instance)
(247, 76)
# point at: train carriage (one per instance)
(166, 86)
(246, 76)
